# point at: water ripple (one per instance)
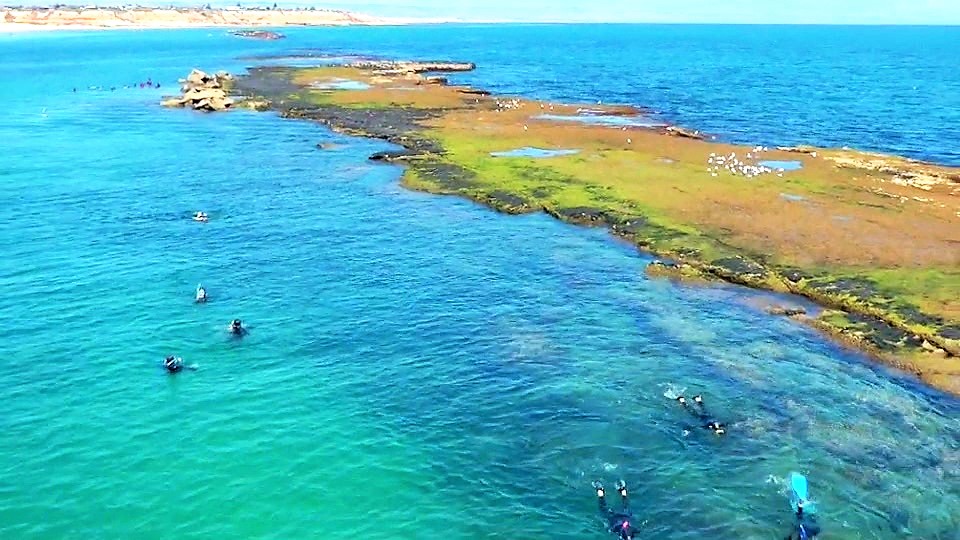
(414, 363)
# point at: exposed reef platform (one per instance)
(874, 239)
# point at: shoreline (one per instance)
(26, 20)
(25, 28)
(448, 132)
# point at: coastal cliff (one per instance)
(871, 238)
(56, 18)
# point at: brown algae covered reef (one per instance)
(874, 239)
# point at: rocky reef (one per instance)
(393, 67)
(203, 92)
(678, 131)
(266, 35)
(852, 236)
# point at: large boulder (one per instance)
(678, 131)
(195, 79)
(202, 92)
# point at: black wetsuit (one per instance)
(238, 330)
(173, 365)
(620, 523)
(699, 411)
(806, 527)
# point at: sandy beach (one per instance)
(51, 19)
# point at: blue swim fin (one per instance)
(799, 494)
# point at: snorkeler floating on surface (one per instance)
(805, 527)
(173, 364)
(699, 411)
(236, 328)
(201, 297)
(619, 522)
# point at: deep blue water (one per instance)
(419, 366)
(890, 89)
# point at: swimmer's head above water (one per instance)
(716, 427)
(173, 364)
(236, 327)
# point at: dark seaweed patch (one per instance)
(911, 313)
(446, 175)
(950, 332)
(879, 333)
(631, 225)
(740, 266)
(862, 289)
(543, 192)
(508, 202)
(795, 276)
(582, 215)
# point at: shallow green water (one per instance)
(417, 367)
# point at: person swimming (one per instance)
(805, 526)
(201, 297)
(173, 364)
(236, 328)
(201, 216)
(618, 522)
(700, 413)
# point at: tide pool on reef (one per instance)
(417, 367)
(530, 152)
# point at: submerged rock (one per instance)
(786, 311)
(258, 34)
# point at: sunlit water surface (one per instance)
(417, 366)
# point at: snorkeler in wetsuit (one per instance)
(700, 413)
(620, 522)
(201, 296)
(173, 364)
(806, 526)
(237, 329)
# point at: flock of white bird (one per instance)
(508, 104)
(732, 164)
(715, 162)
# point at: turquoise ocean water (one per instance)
(418, 366)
